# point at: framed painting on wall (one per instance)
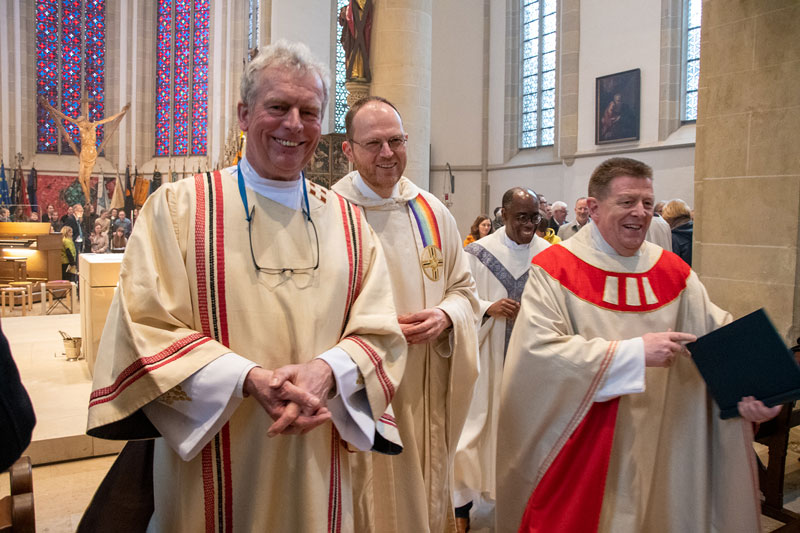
(617, 107)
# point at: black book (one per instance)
(746, 358)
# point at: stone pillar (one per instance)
(747, 165)
(401, 72)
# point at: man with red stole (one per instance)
(605, 423)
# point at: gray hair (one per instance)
(284, 54)
(558, 204)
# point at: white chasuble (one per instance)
(413, 491)
(189, 292)
(500, 267)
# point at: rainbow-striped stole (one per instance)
(426, 222)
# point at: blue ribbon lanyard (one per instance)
(243, 193)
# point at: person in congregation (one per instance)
(500, 265)
(544, 207)
(55, 222)
(497, 218)
(606, 422)
(123, 222)
(581, 218)
(104, 220)
(559, 210)
(73, 218)
(679, 217)
(118, 241)
(33, 217)
(19, 215)
(50, 214)
(437, 309)
(114, 213)
(544, 231)
(69, 255)
(87, 224)
(253, 310)
(479, 229)
(99, 240)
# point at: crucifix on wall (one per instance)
(88, 130)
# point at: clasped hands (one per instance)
(295, 396)
(661, 349)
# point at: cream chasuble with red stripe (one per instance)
(189, 292)
(661, 460)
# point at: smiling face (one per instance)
(283, 122)
(377, 121)
(624, 214)
(484, 227)
(521, 216)
(581, 211)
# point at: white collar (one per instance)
(511, 244)
(286, 193)
(367, 191)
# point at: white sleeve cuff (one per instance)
(626, 373)
(350, 410)
(190, 414)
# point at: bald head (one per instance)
(520, 214)
(510, 194)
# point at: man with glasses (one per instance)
(500, 264)
(253, 311)
(436, 306)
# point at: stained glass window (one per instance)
(70, 59)
(340, 106)
(691, 47)
(182, 47)
(94, 82)
(538, 72)
(253, 38)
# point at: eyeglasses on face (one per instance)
(522, 218)
(376, 145)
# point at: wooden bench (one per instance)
(16, 510)
(775, 436)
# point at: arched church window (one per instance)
(182, 77)
(691, 58)
(340, 106)
(538, 72)
(70, 59)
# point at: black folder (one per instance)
(746, 358)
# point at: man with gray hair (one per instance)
(559, 210)
(253, 330)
